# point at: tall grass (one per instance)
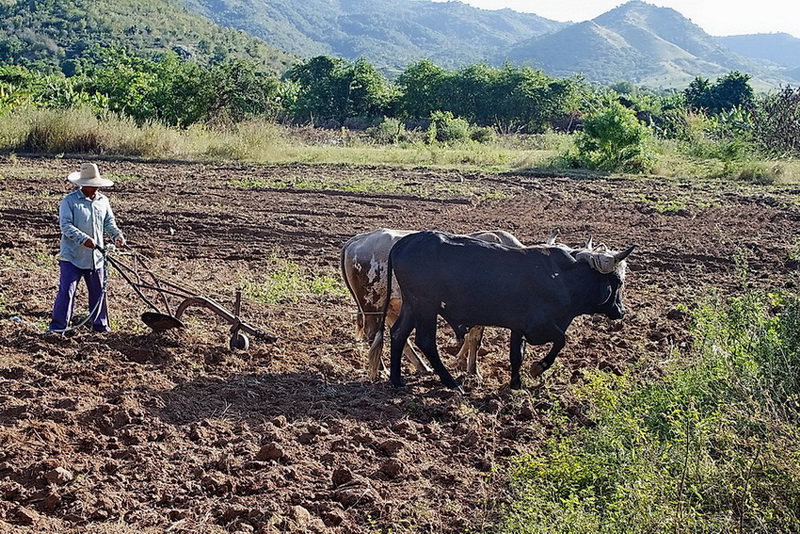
(714, 446)
(81, 131)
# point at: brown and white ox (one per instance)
(364, 260)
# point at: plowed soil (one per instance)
(137, 431)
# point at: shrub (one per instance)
(62, 131)
(482, 135)
(714, 446)
(613, 140)
(777, 123)
(445, 128)
(759, 173)
(388, 131)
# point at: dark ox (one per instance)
(536, 292)
(364, 261)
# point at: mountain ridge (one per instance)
(389, 33)
(639, 43)
(635, 42)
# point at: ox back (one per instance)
(536, 292)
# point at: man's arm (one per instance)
(67, 224)
(110, 227)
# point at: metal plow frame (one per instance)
(142, 280)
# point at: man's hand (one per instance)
(120, 241)
(88, 243)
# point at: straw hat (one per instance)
(89, 176)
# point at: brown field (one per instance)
(157, 432)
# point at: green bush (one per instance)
(759, 173)
(445, 128)
(712, 447)
(482, 135)
(388, 131)
(613, 140)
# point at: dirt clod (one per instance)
(59, 476)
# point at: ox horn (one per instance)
(619, 256)
(551, 240)
(589, 244)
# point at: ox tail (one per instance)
(360, 334)
(376, 349)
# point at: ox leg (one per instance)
(409, 352)
(401, 329)
(426, 341)
(369, 330)
(418, 363)
(475, 338)
(467, 354)
(413, 357)
(545, 363)
(515, 354)
(463, 354)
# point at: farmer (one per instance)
(84, 217)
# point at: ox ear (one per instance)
(551, 240)
(588, 245)
(619, 256)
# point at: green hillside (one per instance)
(780, 49)
(636, 42)
(52, 35)
(390, 34)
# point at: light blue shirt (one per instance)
(82, 218)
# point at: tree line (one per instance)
(451, 104)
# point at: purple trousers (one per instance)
(65, 299)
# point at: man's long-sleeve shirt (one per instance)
(82, 218)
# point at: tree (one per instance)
(471, 93)
(330, 89)
(126, 81)
(242, 91)
(731, 91)
(776, 122)
(532, 101)
(179, 93)
(367, 90)
(319, 96)
(422, 89)
(728, 92)
(698, 94)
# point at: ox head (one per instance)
(612, 266)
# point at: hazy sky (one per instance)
(716, 17)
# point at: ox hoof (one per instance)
(452, 384)
(537, 369)
(375, 376)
